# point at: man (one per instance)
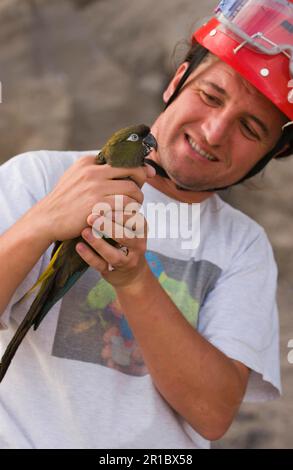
(162, 354)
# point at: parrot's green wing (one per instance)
(64, 270)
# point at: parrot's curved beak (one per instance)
(149, 143)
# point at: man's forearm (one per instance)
(196, 379)
(20, 248)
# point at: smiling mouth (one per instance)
(199, 150)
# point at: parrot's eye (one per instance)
(133, 138)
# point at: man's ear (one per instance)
(174, 82)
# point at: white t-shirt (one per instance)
(79, 381)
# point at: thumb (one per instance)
(150, 171)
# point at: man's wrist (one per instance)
(138, 285)
(34, 227)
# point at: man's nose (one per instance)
(216, 130)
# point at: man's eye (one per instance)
(247, 129)
(210, 99)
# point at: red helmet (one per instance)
(255, 37)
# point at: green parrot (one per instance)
(126, 148)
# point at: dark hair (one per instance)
(283, 148)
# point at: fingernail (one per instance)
(79, 247)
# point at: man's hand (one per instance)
(65, 209)
(128, 262)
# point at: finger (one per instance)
(112, 204)
(132, 222)
(126, 187)
(150, 170)
(120, 227)
(112, 255)
(86, 160)
(137, 174)
(91, 257)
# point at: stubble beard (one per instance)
(182, 183)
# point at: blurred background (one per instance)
(73, 71)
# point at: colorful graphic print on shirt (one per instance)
(92, 327)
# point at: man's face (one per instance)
(217, 128)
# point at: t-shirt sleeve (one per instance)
(24, 180)
(240, 317)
